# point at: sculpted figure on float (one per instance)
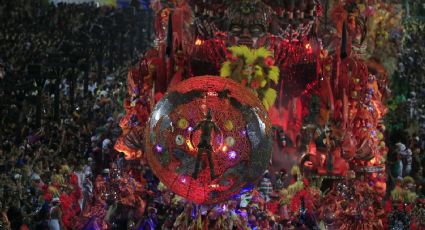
(350, 97)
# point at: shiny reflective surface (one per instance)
(240, 143)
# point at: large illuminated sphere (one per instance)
(240, 139)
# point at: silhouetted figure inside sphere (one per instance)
(206, 126)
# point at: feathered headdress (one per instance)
(253, 68)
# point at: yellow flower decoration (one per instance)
(228, 125)
(183, 123)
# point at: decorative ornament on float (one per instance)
(208, 139)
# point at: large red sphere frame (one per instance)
(241, 143)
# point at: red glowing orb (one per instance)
(237, 134)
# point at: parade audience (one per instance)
(47, 170)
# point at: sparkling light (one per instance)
(224, 148)
(158, 148)
(373, 161)
(157, 116)
(212, 94)
(309, 48)
(232, 155)
(199, 42)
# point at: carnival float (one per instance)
(234, 95)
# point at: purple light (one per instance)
(183, 180)
(158, 148)
(232, 155)
(190, 129)
(243, 132)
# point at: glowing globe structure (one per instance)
(229, 151)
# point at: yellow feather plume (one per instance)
(397, 194)
(269, 98)
(262, 52)
(53, 190)
(252, 70)
(65, 169)
(161, 187)
(295, 187)
(177, 199)
(285, 197)
(57, 178)
(243, 51)
(295, 170)
(407, 180)
(225, 70)
(274, 74)
(410, 197)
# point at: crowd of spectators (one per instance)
(50, 154)
(64, 41)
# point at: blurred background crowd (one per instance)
(62, 75)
